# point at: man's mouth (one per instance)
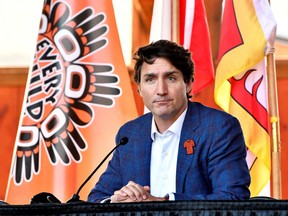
(162, 101)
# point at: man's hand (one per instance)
(133, 192)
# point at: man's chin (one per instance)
(163, 115)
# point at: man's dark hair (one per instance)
(171, 51)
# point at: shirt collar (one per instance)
(175, 128)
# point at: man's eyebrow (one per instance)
(171, 72)
(150, 74)
(167, 73)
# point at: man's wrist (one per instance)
(106, 200)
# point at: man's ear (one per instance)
(139, 90)
(188, 87)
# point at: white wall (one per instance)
(280, 11)
(19, 23)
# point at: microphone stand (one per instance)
(76, 197)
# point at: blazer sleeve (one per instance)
(120, 169)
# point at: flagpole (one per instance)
(175, 21)
(275, 129)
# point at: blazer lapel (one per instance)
(191, 122)
(143, 153)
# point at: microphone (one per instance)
(45, 197)
(76, 197)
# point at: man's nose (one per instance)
(161, 87)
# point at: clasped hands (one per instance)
(133, 192)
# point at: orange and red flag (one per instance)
(77, 96)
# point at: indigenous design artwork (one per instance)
(63, 88)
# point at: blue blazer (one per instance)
(216, 170)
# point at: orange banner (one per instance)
(77, 96)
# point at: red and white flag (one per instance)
(77, 96)
(194, 35)
(247, 35)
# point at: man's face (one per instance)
(163, 90)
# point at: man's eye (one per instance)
(149, 79)
(171, 78)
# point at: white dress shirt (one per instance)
(164, 155)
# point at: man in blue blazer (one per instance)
(181, 150)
